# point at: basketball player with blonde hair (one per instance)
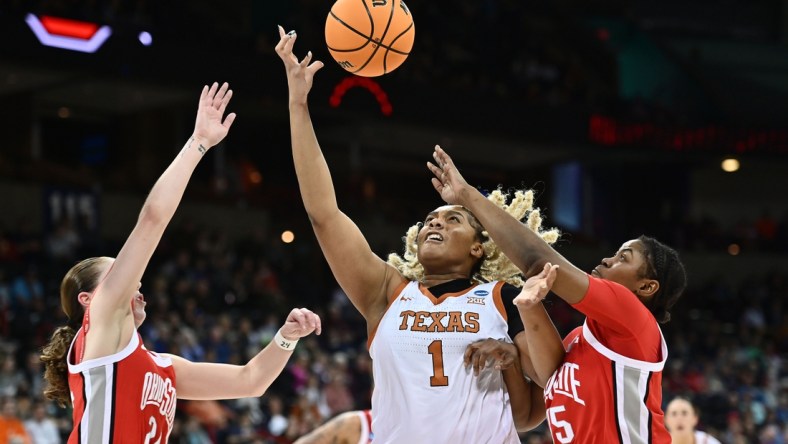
(424, 309)
(609, 386)
(120, 391)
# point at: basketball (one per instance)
(369, 37)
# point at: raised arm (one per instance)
(365, 277)
(524, 247)
(541, 337)
(110, 307)
(206, 381)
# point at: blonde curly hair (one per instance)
(494, 266)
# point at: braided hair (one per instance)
(664, 265)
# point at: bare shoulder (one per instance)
(341, 429)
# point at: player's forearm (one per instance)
(314, 177)
(519, 395)
(168, 190)
(520, 244)
(526, 249)
(261, 371)
(544, 343)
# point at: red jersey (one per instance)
(128, 397)
(609, 387)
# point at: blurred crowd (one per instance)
(215, 299)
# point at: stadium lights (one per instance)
(68, 34)
(730, 165)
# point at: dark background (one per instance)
(619, 113)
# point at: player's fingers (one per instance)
(318, 324)
(314, 67)
(219, 97)
(228, 121)
(444, 157)
(280, 46)
(551, 275)
(289, 42)
(203, 94)
(281, 31)
(225, 100)
(304, 63)
(468, 355)
(434, 169)
(309, 318)
(437, 185)
(481, 361)
(438, 159)
(296, 316)
(212, 92)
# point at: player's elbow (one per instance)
(521, 423)
(152, 214)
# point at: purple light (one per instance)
(58, 40)
(145, 38)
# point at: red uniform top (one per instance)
(609, 387)
(128, 397)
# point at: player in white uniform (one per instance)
(438, 304)
(431, 334)
(681, 418)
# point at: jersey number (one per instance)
(152, 434)
(438, 379)
(563, 430)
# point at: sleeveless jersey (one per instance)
(423, 393)
(705, 438)
(128, 397)
(365, 416)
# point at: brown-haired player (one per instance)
(121, 392)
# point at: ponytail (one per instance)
(54, 358)
(81, 277)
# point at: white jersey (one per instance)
(704, 438)
(423, 392)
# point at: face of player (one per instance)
(680, 417)
(137, 301)
(625, 268)
(447, 241)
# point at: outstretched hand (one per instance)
(300, 322)
(208, 127)
(536, 287)
(448, 181)
(299, 74)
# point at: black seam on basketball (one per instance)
(385, 31)
(371, 20)
(388, 48)
(369, 39)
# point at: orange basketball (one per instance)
(369, 37)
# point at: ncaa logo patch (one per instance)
(481, 293)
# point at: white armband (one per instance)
(284, 344)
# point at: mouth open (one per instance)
(433, 237)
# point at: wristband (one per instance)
(284, 344)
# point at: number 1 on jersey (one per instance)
(438, 379)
